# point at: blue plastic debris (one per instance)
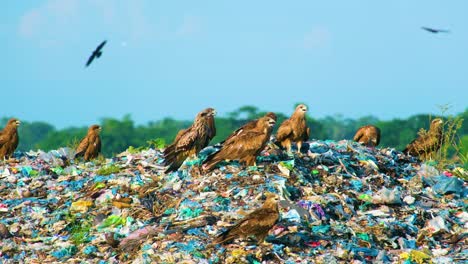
(339, 203)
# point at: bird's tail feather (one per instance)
(172, 159)
(79, 154)
(211, 162)
(224, 238)
(358, 136)
(173, 167)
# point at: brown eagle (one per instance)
(427, 142)
(90, 146)
(244, 146)
(190, 141)
(294, 129)
(9, 138)
(257, 223)
(368, 135)
(211, 124)
(248, 126)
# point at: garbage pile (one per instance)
(340, 203)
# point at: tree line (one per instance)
(119, 134)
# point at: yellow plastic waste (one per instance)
(120, 205)
(80, 206)
(416, 256)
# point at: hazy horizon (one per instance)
(139, 121)
(166, 59)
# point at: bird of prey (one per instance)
(248, 126)
(190, 141)
(90, 145)
(244, 146)
(435, 31)
(96, 53)
(257, 223)
(211, 124)
(368, 135)
(294, 129)
(9, 138)
(427, 142)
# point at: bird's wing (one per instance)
(245, 142)
(90, 59)
(211, 124)
(186, 140)
(101, 45)
(306, 132)
(359, 134)
(83, 145)
(3, 139)
(262, 218)
(420, 143)
(377, 136)
(247, 126)
(429, 29)
(284, 131)
(98, 144)
(15, 141)
(179, 134)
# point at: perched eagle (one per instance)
(245, 145)
(90, 145)
(257, 223)
(211, 124)
(9, 138)
(428, 142)
(294, 129)
(368, 135)
(248, 126)
(190, 141)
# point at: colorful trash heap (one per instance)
(340, 203)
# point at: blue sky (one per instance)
(174, 58)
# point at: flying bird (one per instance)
(90, 145)
(368, 135)
(244, 146)
(96, 53)
(435, 31)
(427, 142)
(190, 141)
(248, 126)
(294, 129)
(257, 223)
(9, 138)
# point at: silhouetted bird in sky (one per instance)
(96, 53)
(435, 31)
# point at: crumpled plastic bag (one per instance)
(445, 185)
(386, 196)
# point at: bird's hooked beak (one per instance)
(271, 122)
(304, 109)
(17, 122)
(213, 113)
